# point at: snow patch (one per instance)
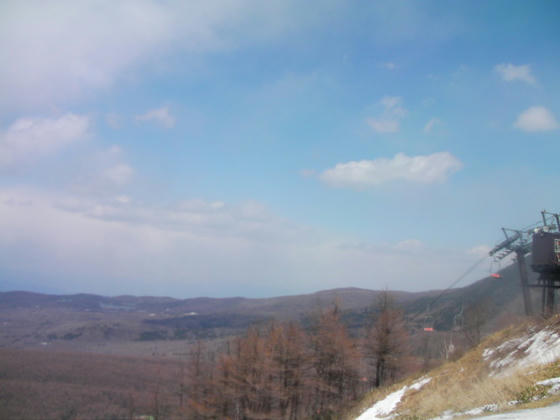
(487, 353)
(449, 414)
(420, 383)
(551, 381)
(552, 412)
(488, 408)
(554, 383)
(446, 415)
(539, 348)
(382, 409)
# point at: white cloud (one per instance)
(389, 65)
(383, 125)
(119, 175)
(161, 116)
(536, 118)
(28, 139)
(510, 73)
(390, 102)
(123, 199)
(197, 205)
(196, 216)
(431, 124)
(479, 250)
(56, 52)
(409, 245)
(102, 173)
(389, 120)
(194, 248)
(425, 169)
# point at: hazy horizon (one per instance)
(213, 297)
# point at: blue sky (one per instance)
(251, 148)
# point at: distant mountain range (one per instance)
(31, 319)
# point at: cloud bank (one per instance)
(58, 52)
(28, 139)
(196, 247)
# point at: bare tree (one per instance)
(387, 340)
(288, 365)
(474, 318)
(276, 372)
(200, 398)
(335, 362)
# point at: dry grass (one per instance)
(463, 393)
(372, 397)
(466, 384)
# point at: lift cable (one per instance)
(461, 277)
(546, 217)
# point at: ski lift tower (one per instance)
(543, 242)
(546, 259)
(516, 241)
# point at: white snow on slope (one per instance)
(554, 383)
(530, 350)
(552, 412)
(382, 409)
(540, 348)
(448, 415)
(484, 409)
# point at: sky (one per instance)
(249, 148)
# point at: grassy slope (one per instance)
(466, 384)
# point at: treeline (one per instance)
(285, 372)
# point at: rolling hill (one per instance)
(99, 323)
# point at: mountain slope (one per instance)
(515, 368)
(33, 319)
